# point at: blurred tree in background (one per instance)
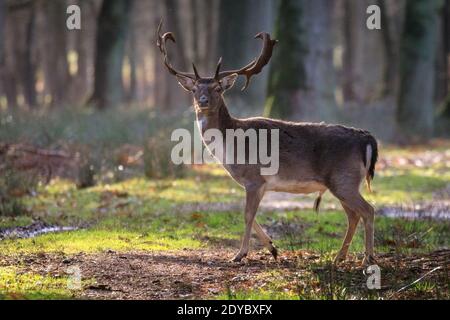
(287, 72)
(302, 79)
(443, 80)
(236, 46)
(417, 68)
(112, 30)
(328, 66)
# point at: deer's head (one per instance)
(208, 91)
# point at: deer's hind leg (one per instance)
(353, 200)
(352, 222)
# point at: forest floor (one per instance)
(173, 239)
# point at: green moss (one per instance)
(98, 240)
(16, 284)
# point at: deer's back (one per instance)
(312, 154)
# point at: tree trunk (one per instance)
(19, 70)
(8, 66)
(195, 19)
(82, 83)
(29, 67)
(235, 44)
(446, 33)
(301, 80)
(415, 113)
(446, 108)
(210, 27)
(2, 34)
(112, 29)
(390, 57)
(2, 47)
(349, 76)
(443, 66)
(445, 114)
(363, 76)
(169, 97)
(446, 36)
(132, 57)
(56, 70)
(232, 32)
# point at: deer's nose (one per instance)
(203, 99)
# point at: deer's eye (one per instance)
(217, 89)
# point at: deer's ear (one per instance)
(186, 83)
(228, 82)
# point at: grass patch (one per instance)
(324, 232)
(146, 214)
(176, 231)
(139, 214)
(393, 187)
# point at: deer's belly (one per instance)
(274, 183)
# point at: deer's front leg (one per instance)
(254, 194)
(265, 239)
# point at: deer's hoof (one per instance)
(368, 260)
(238, 257)
(274, 252)
(339, 258)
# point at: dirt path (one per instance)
(203, 274)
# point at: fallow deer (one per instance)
(313, 157)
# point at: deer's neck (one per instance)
(220, 119)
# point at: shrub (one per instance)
(15, 184)
(157, 161)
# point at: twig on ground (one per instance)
(416, 281)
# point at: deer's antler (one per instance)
(161, 43)
(256, 65)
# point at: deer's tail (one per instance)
(317, 201)
(370, 159)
